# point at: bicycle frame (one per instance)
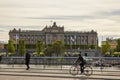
(75, 69)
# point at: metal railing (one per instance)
(58, 60)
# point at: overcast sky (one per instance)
(102, 16)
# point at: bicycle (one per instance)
(75, 69)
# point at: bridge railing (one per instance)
(59, 60)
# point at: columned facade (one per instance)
(52, 33)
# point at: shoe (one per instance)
(81, 73)
(28, 68)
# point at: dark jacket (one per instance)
(80, 60)
(27, 58)
(0, 58)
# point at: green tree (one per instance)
(58, 48)
(39, 47)
(105, 47)
(116, 54)
(11, 47)
(48, 51)
(118, 45)
(30, 46)
(21, 47)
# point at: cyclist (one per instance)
(81, 62)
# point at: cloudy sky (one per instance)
(102, 16)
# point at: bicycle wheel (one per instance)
(88, 70)
(74, 70)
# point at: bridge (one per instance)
(50, 72)
(57, 68)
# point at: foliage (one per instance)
(48, 51)
(58, 48)
(68, 54)
(11, 47)
(75, 54)
(118, 46)
(21, 47)
(39, 47)
(30, 46)
(35, 54)
(107, 54)
(6, 46)
(2, 53)
(116, 54)
(105, 47)
(80, 46)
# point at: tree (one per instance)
(21, 47)
(116, 54)
(58, 48)
(11, 47)
(118, 46)
(105, 47)
(48, 51)
(39, 47)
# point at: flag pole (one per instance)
(70, 43)
(75, 42)
(16, 37)
(16, 45)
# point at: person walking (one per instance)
(27, 60)
(0, 58)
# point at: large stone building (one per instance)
(51, 33)
(112, 43)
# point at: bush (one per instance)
(116, 54)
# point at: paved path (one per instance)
(54, 73)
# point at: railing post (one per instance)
(61, 63)
(12, 62)
(43, 63)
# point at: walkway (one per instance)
(40, 72)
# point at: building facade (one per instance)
(1, 45)
(112, 43)
(51, 33)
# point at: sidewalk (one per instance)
(37, 72)
(58, 67)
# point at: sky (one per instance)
(102, 16)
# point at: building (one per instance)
(1, 45)
(112, 43)
(51, 33)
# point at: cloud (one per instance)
(92, 16)
(101, 15)
(57, 17)
(111, 13)
(115, 12)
